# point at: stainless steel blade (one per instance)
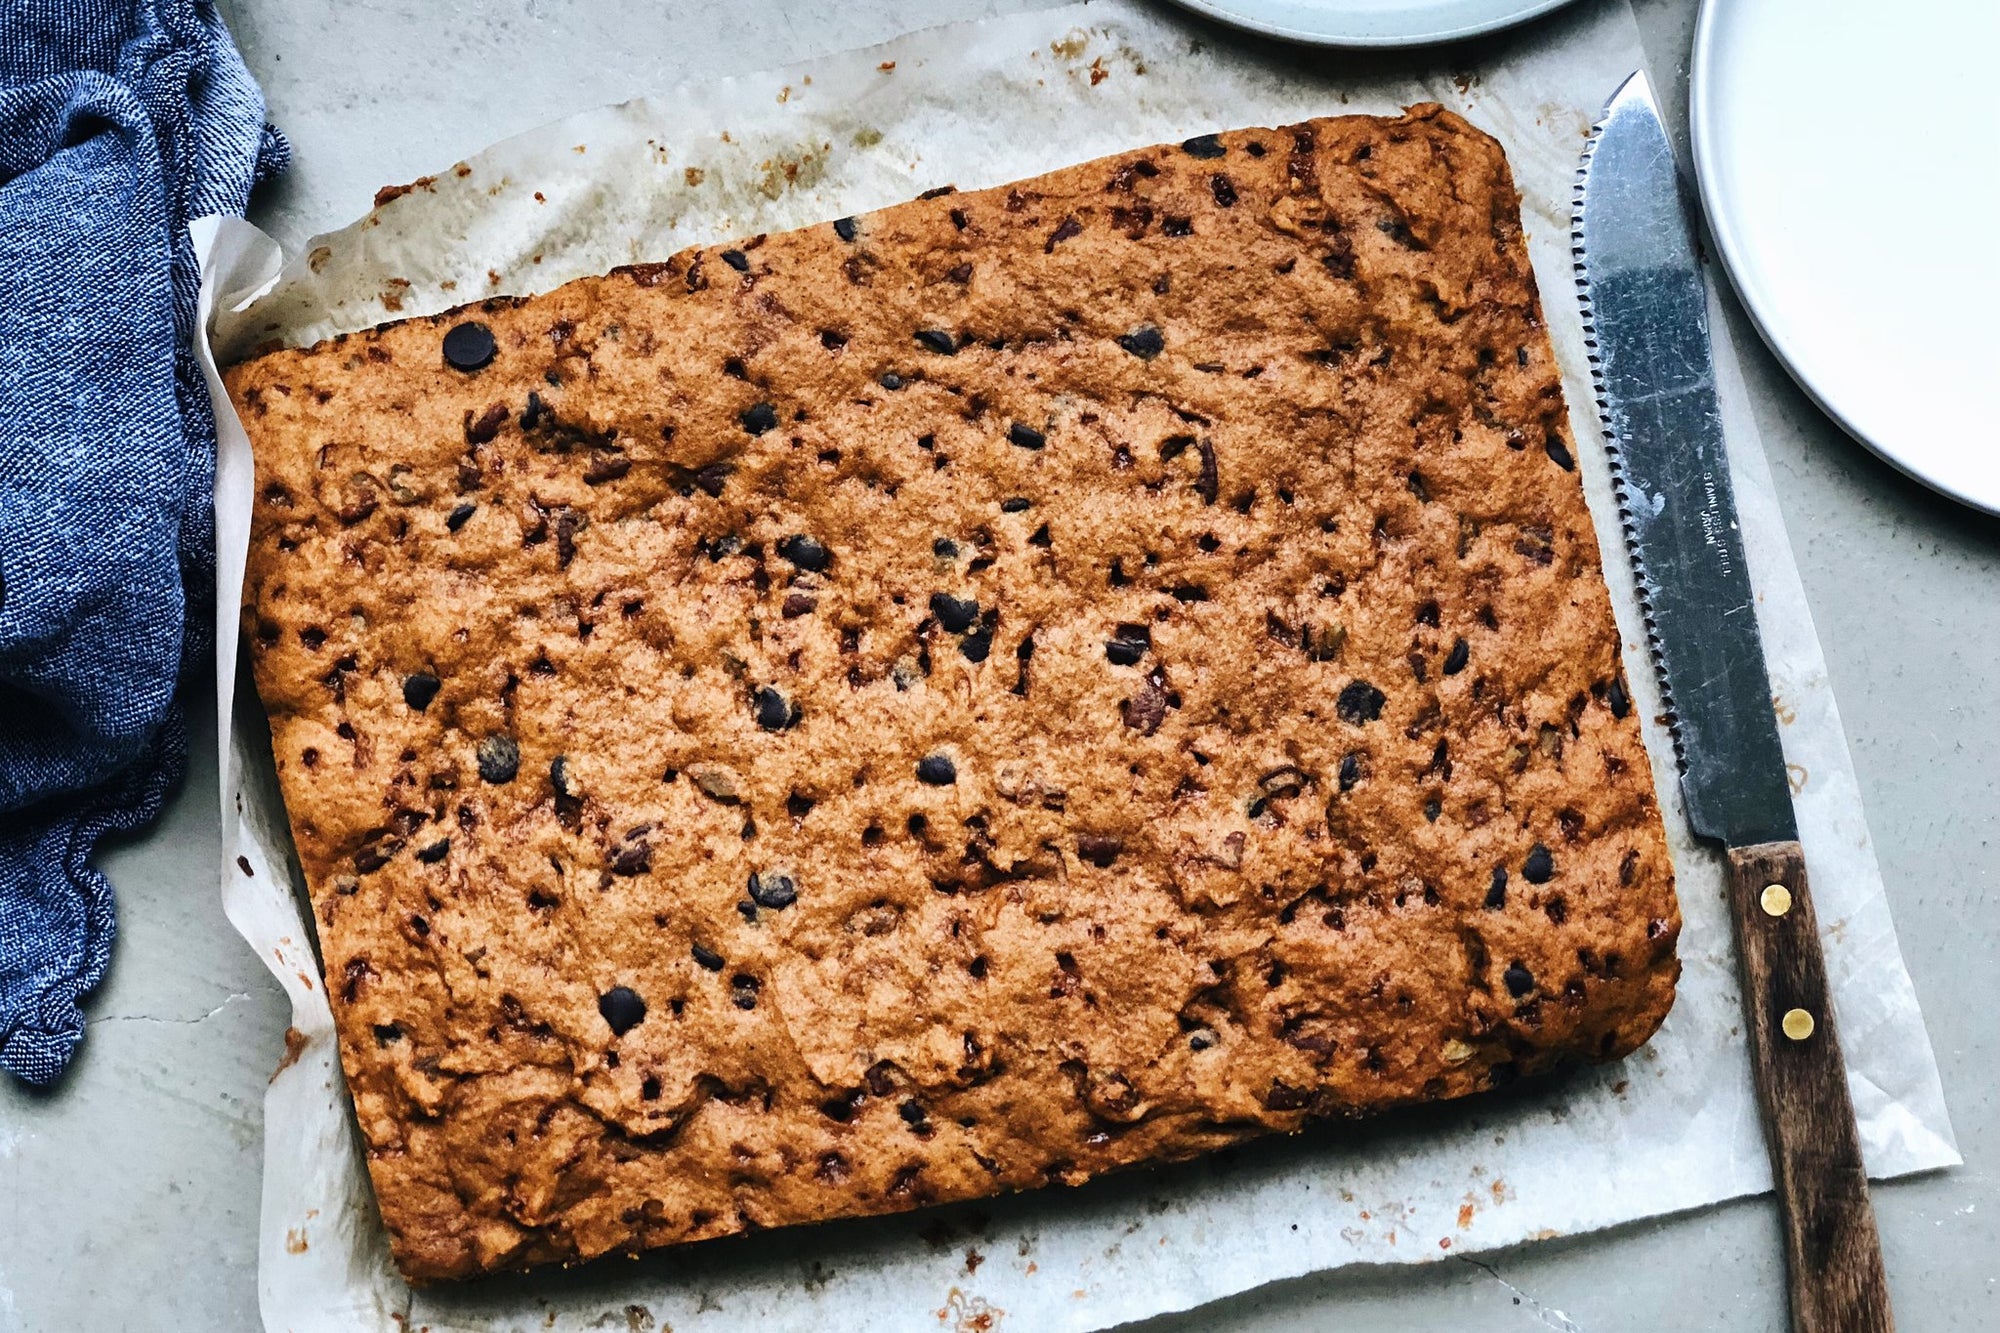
(1646, 324)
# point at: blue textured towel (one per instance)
(120, 120)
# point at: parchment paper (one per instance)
(1673, 1127)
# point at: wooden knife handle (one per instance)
(1832, 1252)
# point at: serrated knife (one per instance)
(1646, 327)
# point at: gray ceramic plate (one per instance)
(1371, 22)
(1848, 167)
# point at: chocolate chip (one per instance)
(937, 770)
(469, 347)
(978, 645)
(737, 260)
(1027, 437)
(773, 889)
(1128, 643)
(712, 478)
(1223, 189)
(944, 548)
(1287, 780)
(1144, 342)
(804, 553)
(1204, 146)
(773, 710)
(1040, 537)
(1015, 505)
(1559, 454)
(1350, 770)
(1024, 653)
(937, 340)
(707, 959)
(954, 613)
(759, 419)
(844, 228)
(633, 857)
(1173, 226)
(622, 1008)
(434, 853)
(462, 511)
(1202, 1039)
(376, 854)
(419, 689)
(1359, 702)
(891, 380)
(1454, 661)
(1496, 891)
(743, 991)
(1099, 849)
(798, 604)
(559, 778)
(1620, 701)
(1208, 484)
(499, 759)
(1539, 866)
(1519, 979)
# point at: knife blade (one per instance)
(1645, 307)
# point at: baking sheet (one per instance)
(1673, 1127)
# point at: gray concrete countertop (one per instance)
(129, 1194)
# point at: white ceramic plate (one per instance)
(1851, 178)
(1371, 22)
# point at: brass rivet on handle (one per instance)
(1798, 1024)
(1776, 900)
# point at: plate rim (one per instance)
(1224, 12)
(1730, 246)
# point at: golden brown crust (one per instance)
(1288, 406)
